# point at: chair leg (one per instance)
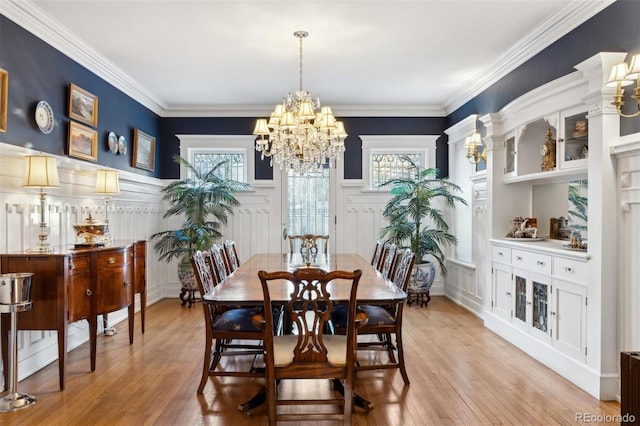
(206, 366)
(390, 348)
(272, 390)
(403, 370)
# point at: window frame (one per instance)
(228, 144)
(395, 144)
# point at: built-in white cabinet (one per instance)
(543, 295)
(548, 147)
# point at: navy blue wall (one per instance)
(615, 29)
(39, 72)
(352, 157)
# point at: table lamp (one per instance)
(41, 172)
(107, 183)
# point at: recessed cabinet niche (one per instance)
(563, 137)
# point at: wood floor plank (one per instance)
(461, 374)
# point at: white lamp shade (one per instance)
(261, 127)
(341, 132)
(634, 68)
(40, 172)
(107, 182)
(618, 75)
(472, 141)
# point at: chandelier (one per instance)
(300, 134)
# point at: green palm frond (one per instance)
(413, 219)
(205, 201)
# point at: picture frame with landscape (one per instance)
(83, 105)
(82, 142)
(144, 150)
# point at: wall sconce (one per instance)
(41, 172)
(621, 76)
(107, 183)
(471, 144)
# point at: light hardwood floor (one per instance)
(460, 373)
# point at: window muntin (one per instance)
(389, 165)
(235, 166)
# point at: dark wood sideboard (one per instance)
(74, 284)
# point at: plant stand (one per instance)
(421, 298)
(188, 294)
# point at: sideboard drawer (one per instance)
(501, 254)
(569, 269)
(535, 262)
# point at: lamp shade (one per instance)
(619, 75)
(107, 182)
(261, 127)
(40, 172)
(634, 68)
(472, 141)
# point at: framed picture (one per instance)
(4, 99)
(83, 142)
(144, 150)
(83, 106)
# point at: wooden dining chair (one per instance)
(231, 253)
(219, 265)
(225, 327)
(297, 243)
(377, 254)
(384, 321)
(388, 260)
(309, 353)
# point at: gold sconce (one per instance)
(623, 75)
(41, 172)
(107, 183)
(472, 144)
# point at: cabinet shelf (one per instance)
(552, 176)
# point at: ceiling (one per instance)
(362, 57)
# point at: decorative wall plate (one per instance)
(112, 140)
(122, 145)
(44, 117)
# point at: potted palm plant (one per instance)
(416, 221)
(205, 201)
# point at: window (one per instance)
(387, 166)
(205, 151)
(233, 168)
(382, 157)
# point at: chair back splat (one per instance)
(232, 255)
(377, 254)
(309, 353)
(318, 243)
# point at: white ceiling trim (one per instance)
(34, 20)
(30, 17)
(545, 34)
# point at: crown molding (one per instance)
(34, 20)
(549, 31)
(338, 110)
(38, 23)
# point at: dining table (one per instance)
(243, 288)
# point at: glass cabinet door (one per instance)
(540, 303)
(510, 146)
(574, 148)
(521, 299)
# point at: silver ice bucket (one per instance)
(15, 288)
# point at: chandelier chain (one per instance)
(301, 62)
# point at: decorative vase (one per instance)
(420, 283)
